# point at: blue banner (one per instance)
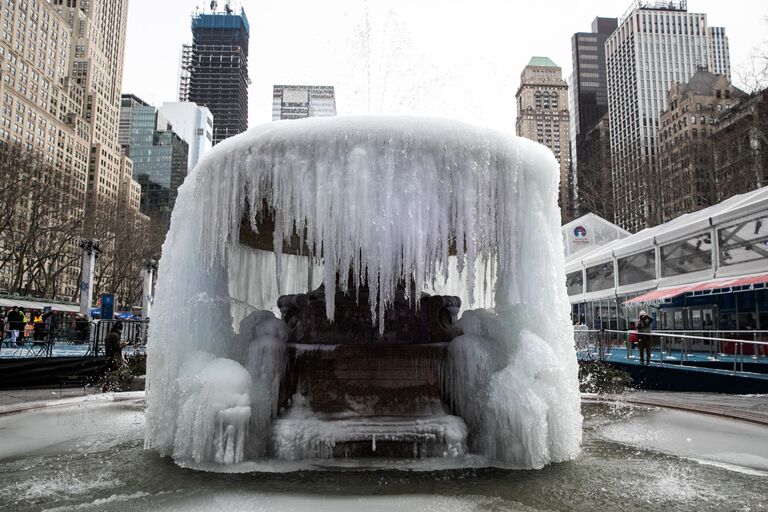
(107, 306)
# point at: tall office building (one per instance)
(719, 52)
(655, 45)
(194, 124)
(158, 153)
(97, 46)
(214, 70)
(542, 115)
(589, 121)
(300, 101)
(42, 115)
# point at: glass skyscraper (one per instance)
(159, 155)
(590, 148)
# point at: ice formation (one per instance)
(304, 434)
(386, 199)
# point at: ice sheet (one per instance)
(734, 445)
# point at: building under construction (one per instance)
(214, 68)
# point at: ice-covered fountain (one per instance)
(358, 217)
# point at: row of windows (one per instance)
(743, 243)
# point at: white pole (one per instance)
(146, 300)
(90, 251)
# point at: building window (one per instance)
(575, 283)
(600, 277)
(637, 268)
(745, 242)
(690, 255)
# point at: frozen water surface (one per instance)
(112, 472)
(737, 445)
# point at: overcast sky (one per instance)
(447, 58)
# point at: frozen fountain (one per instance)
(291, 319)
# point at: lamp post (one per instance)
(91, 250)
(150, 267)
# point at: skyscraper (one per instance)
(194, 124)
(589, 120)
(300, 101)
(214, 71)
(97, 46)
(158, 153)
(542, 115)
(655, 44)
(719, 52)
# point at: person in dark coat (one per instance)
(2, 326)
(113, 346)
(644, 342)
(16, 325)
(83, 328)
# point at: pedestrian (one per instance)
(38, 327)
(15, 325)
(83, 328)
(644, 341)
(631, 339)
(26, 329)
(3, 327)
(113, 346)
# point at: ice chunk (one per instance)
(212, 424)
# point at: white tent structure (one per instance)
(715, 250)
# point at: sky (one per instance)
(443, 58)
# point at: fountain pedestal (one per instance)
(350, 391)
(366, 400)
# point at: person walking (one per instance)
(113, 346)
(15, 324)
(644, 342)
(3, 327)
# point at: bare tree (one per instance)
(752, 76)
(43, 216)
(40, 221)
(126, 240)
(595, 186)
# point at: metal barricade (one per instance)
(715, 341)
(134, 334)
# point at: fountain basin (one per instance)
(90, 456)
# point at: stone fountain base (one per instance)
(367, 400)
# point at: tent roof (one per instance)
(684, 226)
(8, 302)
